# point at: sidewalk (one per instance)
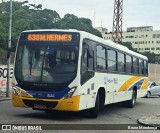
(151, 120)
(4, 98)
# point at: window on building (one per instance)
(158, 42)
(136, 42)
(158, 48)
(154, 36)
(136, 36)
(152, 48)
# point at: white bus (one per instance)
(71, 70)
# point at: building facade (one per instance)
(142, 38)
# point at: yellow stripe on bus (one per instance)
(131, 81)
(145, 84)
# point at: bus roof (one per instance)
(97, 39)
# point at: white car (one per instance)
(153, 89)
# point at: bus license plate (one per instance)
(39, 106)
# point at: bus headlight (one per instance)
(70, 93)
(15, 91)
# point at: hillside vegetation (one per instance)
(28, 16)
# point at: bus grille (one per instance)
(31, 103)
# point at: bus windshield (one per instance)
(46, 63)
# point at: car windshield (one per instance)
(46, 63)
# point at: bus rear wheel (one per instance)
(95, 111)
(131, 103)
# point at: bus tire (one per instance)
(101, 99)
(131, 103)
(95, 111)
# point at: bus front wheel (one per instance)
(95, 111)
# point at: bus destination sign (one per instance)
(49, 37)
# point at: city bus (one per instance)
(71, 70)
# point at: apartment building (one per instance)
(142, 38)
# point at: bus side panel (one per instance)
(87, 95)
(86, 101)
(115, 81)
(89, 91)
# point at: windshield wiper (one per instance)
(43, 65)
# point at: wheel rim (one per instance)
(134, 100)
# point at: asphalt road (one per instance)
(112, 114)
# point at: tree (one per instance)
(28, 16)
(152, 58)
(128, 45)
(71, 21)
(24, 18)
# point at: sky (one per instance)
(135, 12)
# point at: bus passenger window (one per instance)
(121, 63)
(84, 61)
(141, 66)
(145, 68)
(101, 54)
(135, 65)
(128, 64)
(111, 56)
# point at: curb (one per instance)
(152, 120)
(4, 98)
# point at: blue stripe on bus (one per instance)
(49, 94)
(138, 84)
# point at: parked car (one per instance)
(153, 89)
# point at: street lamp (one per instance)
(9, 49)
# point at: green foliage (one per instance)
(129, 46)
(24, 18)
(28, 16)
(71, 21)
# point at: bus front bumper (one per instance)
(70, 104)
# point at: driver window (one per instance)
(84, 61)
(87, 61)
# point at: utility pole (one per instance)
(9, 50)
(117, 21)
